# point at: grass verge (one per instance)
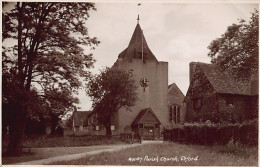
(173, 154)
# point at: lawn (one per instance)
(174, 154)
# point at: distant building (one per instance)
(176, 105)
(80, 120)
(213, 91)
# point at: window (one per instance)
(112, 127)
(229, 101)
(197, 103)
(97, 128)
(175, 114)
(170, 114)
(178, 119)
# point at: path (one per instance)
(55, 154)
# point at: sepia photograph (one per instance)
(131, 83)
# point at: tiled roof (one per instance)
(143, 114)
(223, 81)
(134, 49)
(175, 96)
(81, 117)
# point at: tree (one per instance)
(110, 91)
(47, 59)
(237, 49)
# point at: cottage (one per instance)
(215, 96)
(80, 120)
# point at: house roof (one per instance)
(134, 48)
(81, 117)
(223, 81)
(175, 96)
(146, 116)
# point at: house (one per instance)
(215, 95)
(176, 105)
(80, 120)
(95, 126)
(150, 113)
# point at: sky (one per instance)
(176, 33)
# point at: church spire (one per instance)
(138, 19)
(137, 47)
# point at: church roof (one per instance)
(136, 45)
(175, 96)
(146, 116)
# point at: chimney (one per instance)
(192, 69)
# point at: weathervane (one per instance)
(138, 13)
(138, 18)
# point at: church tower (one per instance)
(150, 112)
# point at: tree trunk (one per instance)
(17, 128)
(108, 128)
(54, 123)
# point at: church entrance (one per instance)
(146, 124)
(148, 133)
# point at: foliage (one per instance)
(110, 91)
(237, 49)
(49, 52)
(40, 141)
(43, 66)
(221, 133)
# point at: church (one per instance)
(150, 113)
(153, 110)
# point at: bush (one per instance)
(209, 134)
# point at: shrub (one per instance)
(207, 133)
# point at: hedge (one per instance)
(208, 134)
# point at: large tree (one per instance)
(110, 91)
(237, 49)
(46, 60)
